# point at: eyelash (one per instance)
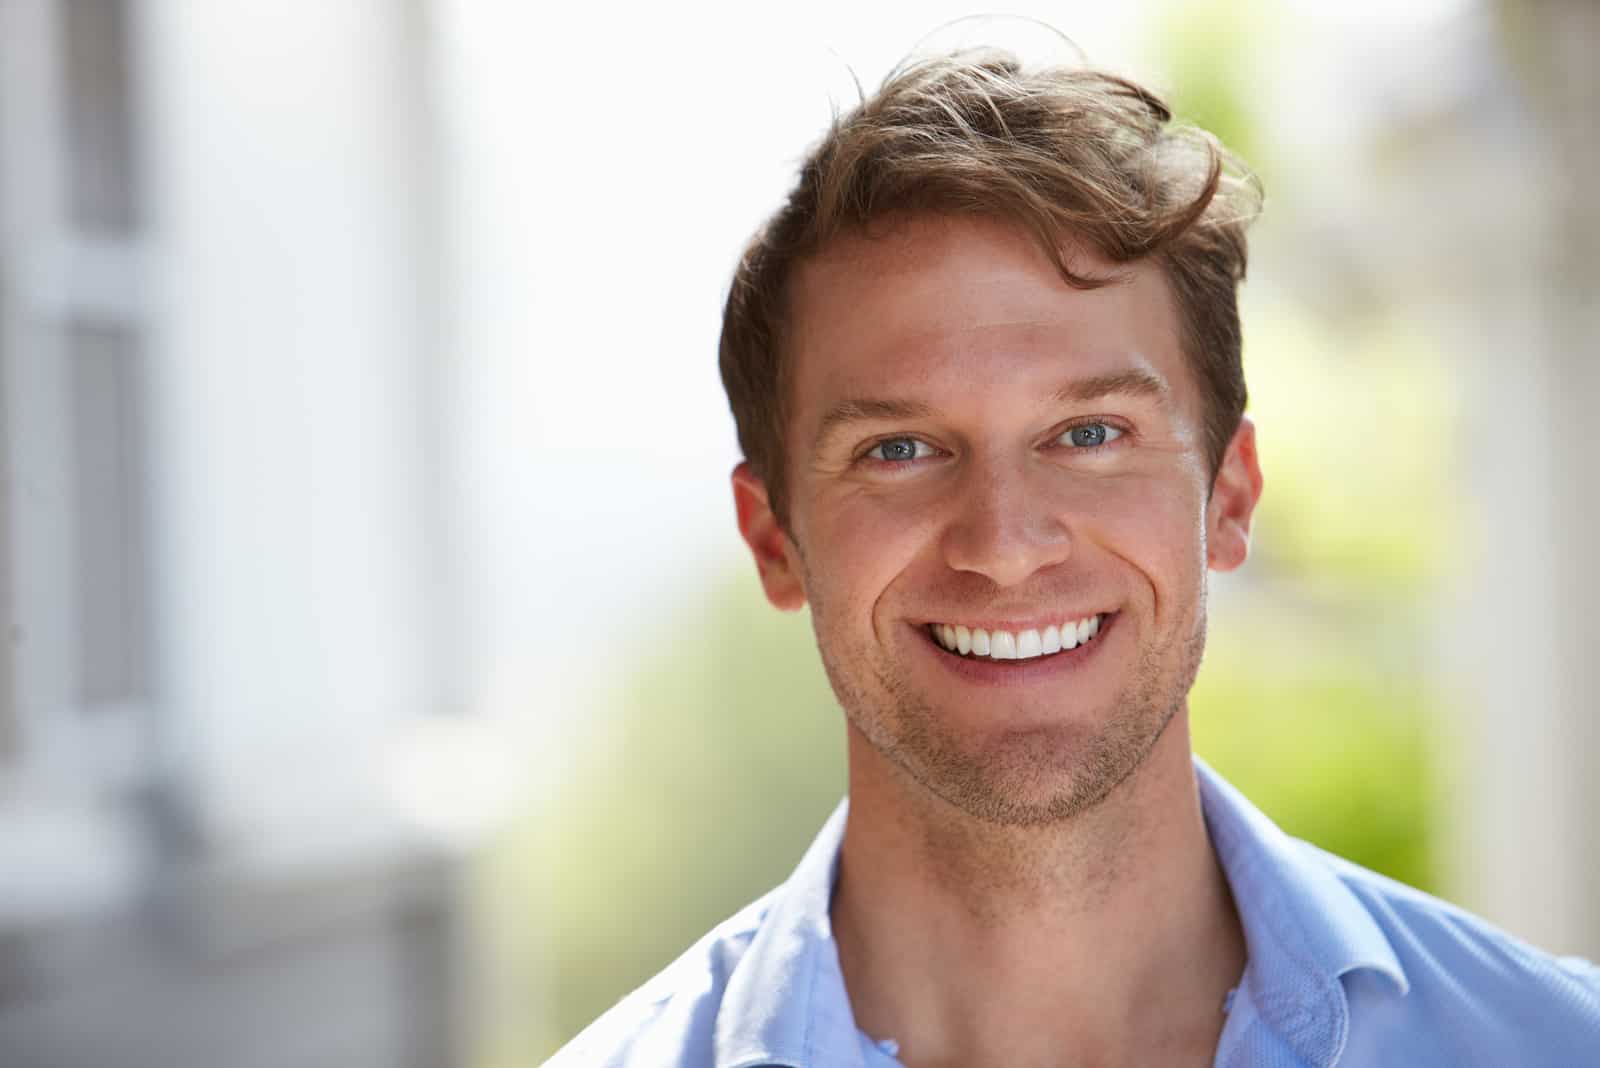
(896, 465)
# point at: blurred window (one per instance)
(74, 560)
(98, 115)
(9, 632)
(109, 554)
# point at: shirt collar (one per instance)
(785, 1003)
(1304, 928)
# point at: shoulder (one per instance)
(1478, 989)
(671, 1019)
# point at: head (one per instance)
(1072, 157)
(985, 367)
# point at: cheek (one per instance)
(1135, 501)
(1157, 525)
(858, 545)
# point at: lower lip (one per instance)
(1022, 672)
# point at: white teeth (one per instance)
(1005, 645)
(1051, 640)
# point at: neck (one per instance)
(1112, 935)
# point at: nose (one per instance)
(1002, 526)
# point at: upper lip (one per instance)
(1015, 626)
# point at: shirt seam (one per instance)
(810, 1016)
(1278, 914)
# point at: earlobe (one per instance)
(768, 542)
(1234, 493)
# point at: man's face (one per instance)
(974, 444)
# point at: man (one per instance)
(985, 366)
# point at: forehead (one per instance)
(933, 302)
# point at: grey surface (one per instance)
(335, 976)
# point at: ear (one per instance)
(1234, 494)
(776, 558)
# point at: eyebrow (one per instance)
(869, 410)
(1132, 383)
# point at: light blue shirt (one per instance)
(1345, 967)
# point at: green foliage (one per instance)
(1354, 433)
(723, 758)
(1323, 739)
(1211, 53)
(1311, 699)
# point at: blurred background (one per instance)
(382, 679)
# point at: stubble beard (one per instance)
(1028, 778)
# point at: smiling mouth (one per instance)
(976, 643)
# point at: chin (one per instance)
(1030, 778)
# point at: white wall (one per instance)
(290, 315)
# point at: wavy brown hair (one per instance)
(1071, 155)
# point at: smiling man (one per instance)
(985, 365)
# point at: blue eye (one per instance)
(1091, 435)
(899, 450)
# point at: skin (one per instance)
(1026, 877)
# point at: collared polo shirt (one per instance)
(1345, 967)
